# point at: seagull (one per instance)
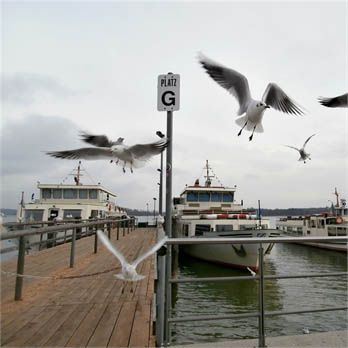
(134, 156)
(129, 273)
(305, 330)
(237, 84)
(336, 102)
(304, 155)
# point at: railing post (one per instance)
(72, 250)
(109, 229)
(95, 240)
(128, 223)
(20, 269)
(160, 299)
(124, 227)
(262, 342)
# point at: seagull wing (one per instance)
(157, 246)
(99, 140)
(236, 83)
(336, 102)
(275, 97)
(87, 153)
(292, 147)
(145, 151)
(307, 141)
(105, 240)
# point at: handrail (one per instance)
(59, 227)
(163, 337)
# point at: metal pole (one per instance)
(168, 223)
(95, 240)
(72, 250)
(262, 342)
(161, 186)
(20, 269)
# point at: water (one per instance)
(6, 244)
(193, 299)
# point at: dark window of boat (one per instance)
(341, 231)
(33, 215)
(224, 228)
(93, 194)
(204, 197)
(192, 196)
(83, 194)
(228, 197)
(247, 227)
(216, 197)
(200, 229)
(332, 231)
(70, 193)
(186, 230)
(46, 193)
(57, 193)
(72, 214)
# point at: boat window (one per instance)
(331, 231)
(72, 214)
(341, 231)
(200, 229)
(83, 194)
(216, 197)
(57, 193)
(228, 197)
(33, 215)
(70, 193)
(186, 230)
(94, 214)
(224, 228)
(204, 197)
(46, 193)
(93, 194)
(248, 227)
(192, 196)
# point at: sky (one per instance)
(91, 66)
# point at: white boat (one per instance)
(211, 211)
(328, 224)
(62, 203)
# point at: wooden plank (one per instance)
(121, 333)
(141, 326)
(68, 327)
(105, 326)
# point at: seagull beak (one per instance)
(267, 106)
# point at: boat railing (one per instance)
(70, 232)
(164, 281)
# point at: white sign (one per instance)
(168, 97)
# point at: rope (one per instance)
(59, 278)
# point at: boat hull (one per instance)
(329, 246)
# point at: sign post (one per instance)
(168, 99)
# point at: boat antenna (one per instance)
(336, 194)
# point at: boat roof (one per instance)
(209, 188)
(74, 186)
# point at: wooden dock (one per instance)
(82, 306)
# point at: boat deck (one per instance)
(82, 306)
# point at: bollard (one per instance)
(262, 342)
(72, 250)
(20, 269)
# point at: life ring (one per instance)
(339, 220)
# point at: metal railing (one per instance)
(164, 317)
(90, 229)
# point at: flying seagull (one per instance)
(133, 156)
(336, 102)
(303, 154)
(129, 272)
(237, 84)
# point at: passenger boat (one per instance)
(66, 203)
(210, 212)
(328, 224)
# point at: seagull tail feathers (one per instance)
(250, 125)
(136, 278)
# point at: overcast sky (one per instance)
(91, 66)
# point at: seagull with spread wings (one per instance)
(237, 84)
(303, 154)
(133, 156)
(336, 102)
(129, 272)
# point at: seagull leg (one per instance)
(252, 134)
(240, 132)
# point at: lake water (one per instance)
(193, 299)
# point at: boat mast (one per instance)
(337, 201)
(208, 176)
